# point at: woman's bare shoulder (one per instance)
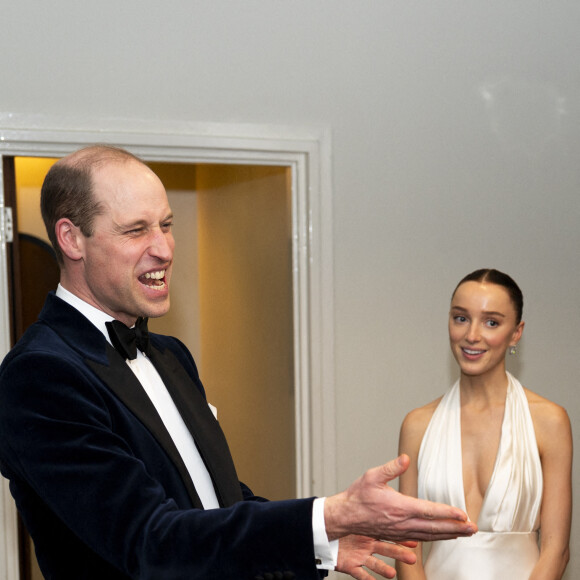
(548, 417)
(541, 406)
(417, 420)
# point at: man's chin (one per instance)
(157, 309)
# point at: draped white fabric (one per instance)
(507, 544)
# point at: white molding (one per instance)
(308, 152)
(9, 557)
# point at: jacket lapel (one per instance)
(122, 381)
(202, 425)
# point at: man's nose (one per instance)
(162, 245)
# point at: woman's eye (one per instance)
(460, 319)
(492, 323)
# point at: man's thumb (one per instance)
(395, 468)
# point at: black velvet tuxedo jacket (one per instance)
(99, 483)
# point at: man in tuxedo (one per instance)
(116, 462)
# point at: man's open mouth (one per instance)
(155, 280)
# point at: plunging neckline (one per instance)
(509, 519)
(495, 463)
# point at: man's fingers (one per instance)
(396, 551)
(428, 511)
(379, 567)
(419, 529)
(389, 471)
(439, 511)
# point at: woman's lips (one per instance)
(472, 353)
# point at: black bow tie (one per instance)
(127, 340)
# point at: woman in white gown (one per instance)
(491, 447)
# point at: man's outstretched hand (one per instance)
(370, 507)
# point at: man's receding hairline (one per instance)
(96, 156)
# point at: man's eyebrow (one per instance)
(122, 227)
(140, 223)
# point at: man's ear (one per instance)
(70, 239)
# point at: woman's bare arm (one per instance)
(411, 435)
(554, 436)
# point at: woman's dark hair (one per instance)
(496, 277)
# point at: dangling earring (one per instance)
(513, 349)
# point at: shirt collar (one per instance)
(96, 316)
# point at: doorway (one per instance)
(232, 304)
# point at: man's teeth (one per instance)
(154, 280)
(155, 275)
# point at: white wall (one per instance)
(456, 145)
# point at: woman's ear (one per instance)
(517, 333)
(70, 239)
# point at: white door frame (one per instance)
(307, 153)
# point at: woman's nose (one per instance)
(473, 333)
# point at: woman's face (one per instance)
(482, 326)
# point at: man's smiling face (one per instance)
(129, 257)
